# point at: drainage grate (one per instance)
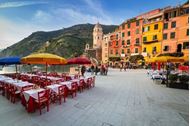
(81, 105)
(106, 124)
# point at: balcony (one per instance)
(152, 41)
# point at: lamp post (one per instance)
(46, 46)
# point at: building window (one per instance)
(117, 36)
(144, 49)
(136, 50)
(172, 35)
(123, 34)
(123, 42)
(117, 43)
(147, 28)
(106, 55)
(111, 51)
(154, 37)
(173, 14)
(128, 50)
(173, 24)
(137, 40)
(153, 49)
(187, 32)
(165, 25)
(144, 39)
(106, 44)
(122, 51)
(137, 31)
(166, 48)
(128, 25)
(128, 42)
(165, 36)
(137, 23)
(98, 37)
(186, 45)
(155, 26)
(128, 33)
(116, 52)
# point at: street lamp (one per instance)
(46, 46)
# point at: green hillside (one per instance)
(65, 42)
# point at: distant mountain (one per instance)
(65, 42)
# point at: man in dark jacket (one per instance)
(83, 69)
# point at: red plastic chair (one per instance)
(43, 99)
(73, 90)
(89, 83)
(93, 81)
(14, 93)
(81, 85)
(61, 93)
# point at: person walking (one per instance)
(121, 67)
(106, 69)
(125, 67)
(83, 69)
(92, 69)
(96, 70)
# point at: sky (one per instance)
(20, 18)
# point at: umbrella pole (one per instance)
(16, 70)
(31, 68)
(46, 71)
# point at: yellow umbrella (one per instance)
(43, 58)
(168, 59)
(185, 58)
(150, 60)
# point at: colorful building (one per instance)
(132, 35)
(176, 30)
(105, 51)
(156, 32)
(152, 35)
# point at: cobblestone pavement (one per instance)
(128, 98)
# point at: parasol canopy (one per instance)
(168, 59)
(9, 60)
(79, 60)
(150, 60)
(43, 58)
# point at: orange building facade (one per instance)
(176, 30)
(172, 34)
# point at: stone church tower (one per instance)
(96, 50)
(97, 36)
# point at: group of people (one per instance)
(123, 66)
(103, 69)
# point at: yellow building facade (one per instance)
(152, 38)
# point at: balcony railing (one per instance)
(145, 42)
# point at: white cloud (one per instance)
(52, 19)
(12, 32)
(20, 4)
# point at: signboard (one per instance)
(122, 55)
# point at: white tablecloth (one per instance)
(33, 93)
(157, 76)
(67, 83)
(54, 88)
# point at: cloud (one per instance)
(50, 19)
(20, 4)
(97, 8)
(12, 32)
